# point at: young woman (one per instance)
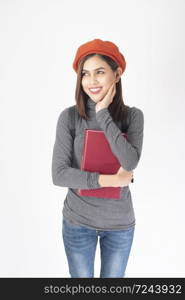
(99, 105)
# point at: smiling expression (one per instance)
(97, 77)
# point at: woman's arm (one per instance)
(62, 173)
(127, 151)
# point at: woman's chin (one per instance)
(97, 98)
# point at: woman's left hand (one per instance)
(107, 99)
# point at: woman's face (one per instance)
(96, 73)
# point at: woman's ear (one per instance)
(118, 74)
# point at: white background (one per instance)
(38, 42)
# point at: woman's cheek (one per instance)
(84, 84)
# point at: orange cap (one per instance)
(101, 47)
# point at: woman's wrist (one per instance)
(108, 180)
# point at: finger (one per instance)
(112, 86)
(113, 89)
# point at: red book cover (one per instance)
(98, 157)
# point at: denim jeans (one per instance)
(80, 246)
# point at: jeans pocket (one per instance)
(68, 224)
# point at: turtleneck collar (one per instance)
(90, 104)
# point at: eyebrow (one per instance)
(94, 69)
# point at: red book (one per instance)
(97, 156)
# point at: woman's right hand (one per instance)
(123, 177)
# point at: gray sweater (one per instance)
(95, 213)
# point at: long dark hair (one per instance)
(117, 109)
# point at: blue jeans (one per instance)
(80, 246)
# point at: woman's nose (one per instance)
(93, 79)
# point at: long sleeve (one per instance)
(62, 173)
(127, 151)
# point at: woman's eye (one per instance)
(86, 73)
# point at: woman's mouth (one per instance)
(95, 90)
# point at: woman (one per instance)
(99, 105)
